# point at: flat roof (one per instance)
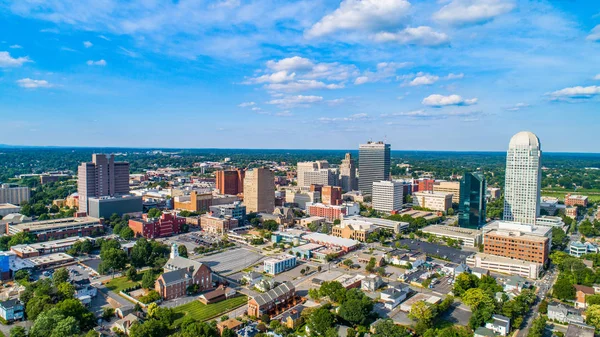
(330, 239)
(55, 223)
(517, 226)
(453, 231)
(278, 258)
(54, 243)
(8, 206)
(376, 221)
(516, 235)
(504, 260)
(308, 246)
(50, 259)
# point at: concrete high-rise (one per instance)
(373, 165)
(348, 180)
(387, 196)
(471, 206)
(230, 182)
(523, 178)
(315, 173)
(101, 177)
(259, 190)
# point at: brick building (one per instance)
(576, 200)
(179, 274)
(230, 181)
(517, 245)
(331, 195)
(274, 301)
(195, 202)
(166, 225)
(217, 225)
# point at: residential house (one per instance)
(252, 278)
(83, 287)
(578, 249)
(125, 323)
(403, 257)
(366, 258)
(499, 324)
(480, 272)
(231, 324)
(484, 332)
(220, 294)
(563, 314)
(371, 283)
(11, 310)
(292, 319)
(579, 330)
(580, 293)
(392, 297)
(265, 285)
(516, 283)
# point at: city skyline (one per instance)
(110, 74)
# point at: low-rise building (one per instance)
(549, 204)
(448, 187)
(578, 249)
(306, 251)
(576, 200)
(44, 248)
(581, 292)
(217, 295)
(50, 260)
(466, 236)
(166, 224)
(179, 274)
(124, 324)
(384, 224)
(580, 330)
(571, 212)
(428, 299)
(57, 228)
(518, 241)
(392, 297)
(236, 210)
(371, 283)
(505, 265)
(279, 264)
(563, 314)
(331, 212)
(436, 201)
(312, 220)
(252, 278)
(484, 332)
(273, 301)
(6, 209)
(230, 323)
(354, 229)
(217, 225)
(12, 310)
(105, 207)
(493, 193)
(346, 245)
(499, 324)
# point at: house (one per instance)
(499, 324)
(484, 332)
(579, 330)
(83, 287)
(265, 285)
(11, 310)
(371, 283)
(220, 294)
(252, 278)
(125, 323)
(393, 297)
(480, 272)
(179, 274)
(124, 310)
(292, 319)
(231, 324)
(403, 257)
(273, 301)
(516, 283)
(580, 293)
(365, 258)
(563, 314)
(249, 330)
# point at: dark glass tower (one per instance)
(471, 209)
(373, 165)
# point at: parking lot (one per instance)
(232, 260)
(448, 253)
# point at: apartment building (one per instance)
(332, 213)
(448, 187)
(354, 229)
(14, 194)
(387, 196)
(217, 224)
(103, 176)
(436, 201)
(166, 225)
(279, 264)
(274, 301)
(259, 190)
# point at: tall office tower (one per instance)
(373, 165)
(471, 205)
(315, 173)
(14, 194)
(101, 177)
(259, 190)
(387, 195)
(230, 182)
(348, 179)
(523, 178)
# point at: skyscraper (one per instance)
(523, 178)
(101, 177)
(315, 173)
(373, 165)
(230, 182)
(387, 196)
(348, 179)
(471, 205)
(259, 190)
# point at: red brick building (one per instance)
(424, 185)
(166, 225)
(274, 301)
(328, 212)
(230, 182)
(179, 274)
(331, 195)
(576, 200)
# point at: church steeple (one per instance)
(174, 251)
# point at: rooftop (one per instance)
(279, 258)
(505, 260)
(8, 206)
(454, 231)
(518, 227)
(50, 259)
(332, 240)
(55, 223)
(579, 330)
(524, 138)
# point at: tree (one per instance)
(421, 312)
(228, 333)
(320, 321)
(537, 327)
(66, 327)
(356, 311)
(113, 259)
(45, 323)
(117, 229)
(73, 308)
(66, 290)
(126, 233)
(22, 275)
(141, 253)
(348, 262)
(387, 328)
(132, 273)
(563, 288)
(148, 280)
(464, 282)
(18, 331)
(543, 308)
(182, 250)
(37, 305)
(477, 298)
(108, 313)
(154, 213)
(60, 275)
(592, 314)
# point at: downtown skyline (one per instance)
(461, 75)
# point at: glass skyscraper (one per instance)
(373, 165)
(471, 207)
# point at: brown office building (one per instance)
(230, 182)
(259, 190)
(195, 202)
(331, 195)
(217, 225)
(101, 177)
(516, 245)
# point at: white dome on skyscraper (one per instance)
(524, 138)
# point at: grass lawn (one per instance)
(561, 195)
(119, 283)
(202, 312)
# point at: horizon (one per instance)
(451, 75)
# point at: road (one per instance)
(543, 286)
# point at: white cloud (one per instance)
(33, 84)
(255, 108)
(129, 52)
(597, 77)
(577, 92)
(284, 114)
(594, 34)
(354, 117)
(440, 100)
(293, 63)
(361, 15)
(385, 70)
(453, 76)
(278, 77)
(334, 102)
(87, 44)
(100, 63)
(464, 12)
(303, 85)
(289, 101)
(50, 30)
(246, 104)
(425, 79)
(518, 106)
(15, 46)
(103, 37)
(422, 35)
(6, 61)
(67, 49)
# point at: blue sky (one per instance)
(424, 75)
